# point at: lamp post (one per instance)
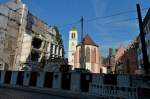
(82, 57)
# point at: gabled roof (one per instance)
(89, 41)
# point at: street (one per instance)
(17, 94)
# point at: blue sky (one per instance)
(109, 32)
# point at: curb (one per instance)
(53, 92)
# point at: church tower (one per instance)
(73, 41)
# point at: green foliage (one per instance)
(59, 40)
(58, 37)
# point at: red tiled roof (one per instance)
(89, 41)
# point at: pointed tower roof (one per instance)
(88, 41)
(73, 29)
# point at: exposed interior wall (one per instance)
(10, 23)
(25, 40)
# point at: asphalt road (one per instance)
(17, 94)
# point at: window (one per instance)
(73, 35)
(36, 43)
(55, 49)
(101, 70)
(87, 54)
(94, 55)
(79, 54)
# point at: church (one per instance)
(92, 53)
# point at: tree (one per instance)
(59, 40)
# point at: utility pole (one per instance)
(82, 57)
(142, 38)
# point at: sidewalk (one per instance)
(54, 92)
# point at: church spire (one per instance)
(73, 41)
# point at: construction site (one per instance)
(26, 42)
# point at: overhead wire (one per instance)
(113, 15)
(97, 18)
(119, 21)
(109, 16)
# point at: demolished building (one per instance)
(26, 42)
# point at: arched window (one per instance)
(101, 70)
(72, 35)
(87, 54)
(94, 55)
(79, 54)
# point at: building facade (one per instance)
(128, 62)
(26, 41)
(92, 54)
(114, 55)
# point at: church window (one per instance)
(87, 54)
(79, 54)
(101, 70)
(73, 35)
(94, 55)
